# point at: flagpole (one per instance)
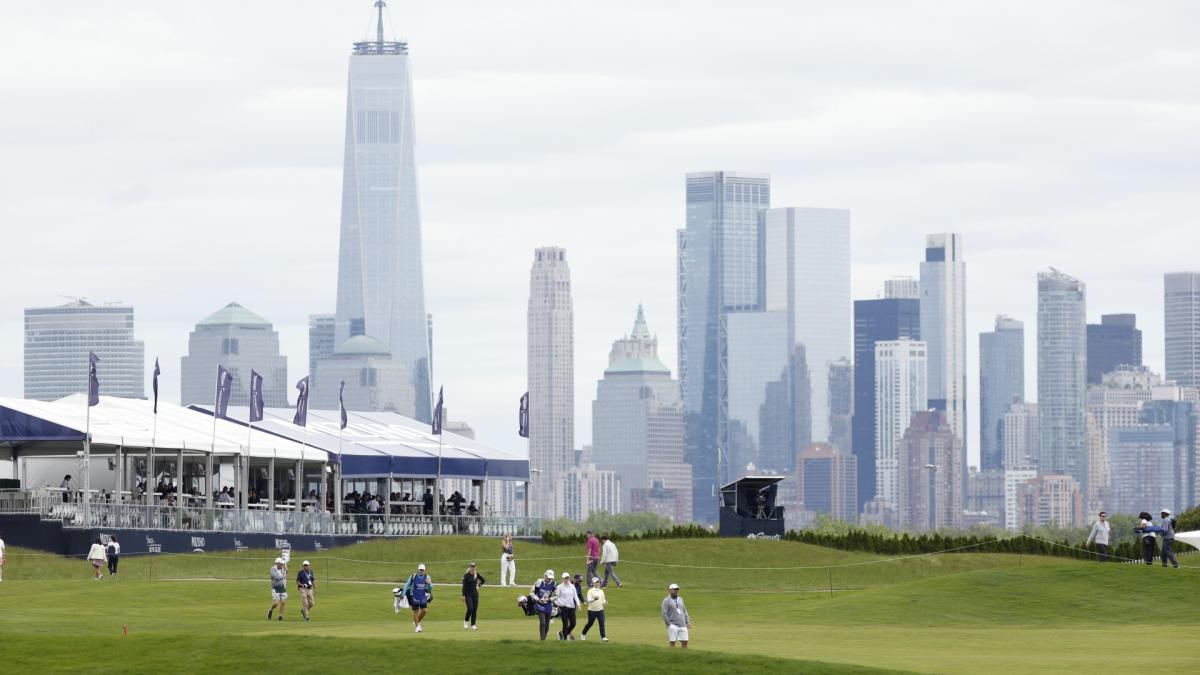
(87, 459)
(150, 475)
(213, 449)
(244, 474)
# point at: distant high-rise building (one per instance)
(985, 496)
(1142, 468)
(1115, 402)
(242, 341)
(321, 341)
(759, 417)
(902, 288)
(1062, 375)
(827, 481)
(1115, 341)
(381, 287)
(57, 342)
(806, 273)
(1001, 383)
(1050, 499)
(1181, 310)
(637, 423)
(875, 321)
(718, 272)
(374, 380)
(930, 493)
(944, 330)
(900, 392)
(841, 404)
(1182, 417)
(581, 491)
(551, 373)
(1022, 437)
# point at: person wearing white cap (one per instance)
(596, 602)
(568, 599)
(675, 616)
(278, 588)
(542, 593)
(419, 591)
(1167, 530)
(306, 582)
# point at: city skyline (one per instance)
(281, 184)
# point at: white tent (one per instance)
(1192, 537)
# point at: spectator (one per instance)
(471, 582)
(675, 616)
(1, 559)
(1167, 529)
(472, 510)
(596, 602)
(96, 557)
(427, 502)
(306, 583)
(278, 588)
(1099, 533)
(609, 558)
(66, 488)
(1147, 537)
(113, 553)
(593, 554)
(508, 564)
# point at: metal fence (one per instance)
(52, 506)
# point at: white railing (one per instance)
(99, 514)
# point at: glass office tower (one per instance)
(1062, 375)
(1001, 384)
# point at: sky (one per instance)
(180, 156)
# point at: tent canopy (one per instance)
(1192, 537)
(380, 444)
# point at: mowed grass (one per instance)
(943, 613)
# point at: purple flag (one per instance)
(256, 398)
(523, 417)
(157, 371)
(341, 403)
(223, 390)
(437, 414)
(301, 418)
(93, 381)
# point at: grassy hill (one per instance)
(755, 604)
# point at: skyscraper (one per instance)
(841, 404)
(321, 342)
(1115, 341)
(551, 373)
(901, 391)
(930, 495)
(57, 342)
(760, 417)
(242, 341)
(380, 279)
(718, 272)
(826, 480)
(1022, 437)
(637, 422)
(943, 287)
(806, 272)
(1062, 375)
(875, 321)
(1001, 383)
(1181, 309)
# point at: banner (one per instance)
(224, 389)
(93, 381)
(301, 418)
(256, 397)
(523, 417)
(437, 414)
(157, 372)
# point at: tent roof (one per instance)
(131, 423)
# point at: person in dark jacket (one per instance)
(471, 582)
(1148, 547)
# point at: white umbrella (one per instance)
(1192, 537)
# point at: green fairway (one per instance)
(771, 610)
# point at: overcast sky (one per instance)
(179, 156)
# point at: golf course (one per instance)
(756, 606)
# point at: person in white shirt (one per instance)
(567, 599)
(609, 558)
(508, 566)
(1099, 533)
(676, 617)
(113, 553)
(96, 558)
(1, 560)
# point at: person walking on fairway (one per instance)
(568, 599)
(542, 596)
(419, 590)
(593, 554)
(1143, 529)
(1167, 529)
(609, 559)
(1, 559)
(675, 616)
(508, 566)
(113, 553)
(96, 557)
(1099, 534)
(306, 583)
(278, 588)
(596, 603)
(471, 582)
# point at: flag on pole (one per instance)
(157, 372)
(437, 414)
(93, 381)
(224, 389)
(523, 417)
(301, 418)
(342, 404)
(256, 397)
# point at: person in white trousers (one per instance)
(508, 565)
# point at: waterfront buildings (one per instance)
(57, 342)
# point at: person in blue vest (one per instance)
(419, 591)
(542, 594)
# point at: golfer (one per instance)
(1099, 533)
(508, 566)
(542, 596)
(278, 589)
(609, 558)
(306, 583)
(593, 554)
(96, 557)
(419, 590)
(675, 616)
(471, 582)
(596, 603)
(568, 599)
